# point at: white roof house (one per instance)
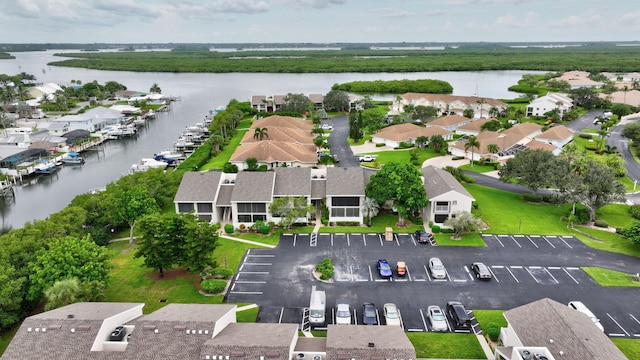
(48, 89)
(551, 101)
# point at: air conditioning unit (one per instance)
(538, 356)
(525, 354)
(309, 356)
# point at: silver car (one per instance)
(343, 312)
(391, 314)
(437, 269)
(437, 319)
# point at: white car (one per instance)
(391, 314)
(326, 127)
(437, 269)
(437, 319)
(343, 312)
(578, 305)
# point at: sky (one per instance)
(317, 21)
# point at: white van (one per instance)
(317, 307)
(578, 305)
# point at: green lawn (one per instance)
(607, 241)
(629, 347)
(616, 215)
(506, 213)
(223, 157)
(611, 278)
(477, 168)
(486, 317)
(471, 239)
(402, 156)
(247, 316)
(446, 345)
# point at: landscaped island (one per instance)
(467, 57)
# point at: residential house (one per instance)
(107, 116)
(552, 101)
(92, 120)
(448, 104)
(408, 132)
(345, 194)
(282, 121)
(356, 102)
(551, 328)
(450, 122)
(557, 136)
(631, 77)
(472, 128)
(536, 144)
(630, 97)
(317, 100)
(279, 134)
(251, 197)
(82, 331)
(446, 195)
(198, 193)
(610, 76)
(48, 90)
(579, 79)
(126, 94)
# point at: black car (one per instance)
(458, 315)
(369, 314)
(117, 334)
(423, 236)
(481, 270)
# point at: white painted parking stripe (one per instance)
(514, 277)
(634, 318)
(620, 326)
(414, 240)
(401, 280)
(261, 255)
(535, 236)
(554, 268)
(534, 278)
(571, 276)
(460, 280)
(534, 244)
(250, 282)
(246, 292)
(370, 274)
(549, 242)
(553, 277)
(503, 235)
(615, 334)
(566, 243)
(397, 241)
(381, 242)
(497, 266)
(518, 235)
(516, 241)
(254, 272)
(516, 267)
(233, 286)
(348, 242)
(419, 280)
(572, 268)
(280, 318)
(500, 242)
(408, 273)
(567, 237)
(493, 275)
(424, 322)
(361, 280)
(295, 237)
(427, 272)
(364, 240)
(258, 264)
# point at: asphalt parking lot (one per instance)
(525, 268)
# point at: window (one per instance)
(205, 207)
(252, 212)
(345, 201)
(244, 218)
(345, 212)
(205, 217)
(442, 206)
(185, 207)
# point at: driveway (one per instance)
(338, 141)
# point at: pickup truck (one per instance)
(366, 158)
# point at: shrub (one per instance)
(415, 219)
(228, 228)
(468, 179)
(264, 229)
(435, 228)
(230, 168)
(380, 144)
(405, 145)
(447, 230)
(325, 268)
(347, 223)
(493, 331)
(634, 211)
(531, 198)
(586, 136)
(213, 286)
(601, 223)
(457, 158)
(581, 216)
(221, 273)
(591, 146)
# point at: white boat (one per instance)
(148, 163)
(119, 130)
(175, 155)
(73, 158)
(45, 167)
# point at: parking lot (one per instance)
(524, 268)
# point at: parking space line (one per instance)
(566, 243)
(249, 282)
(427, 271)
(534, 244)
(468, 273)
(414, 240)
(532, 267)
(424, 322)
(331, 240)
(381, 242)
(370, 274)
(500, 242)
(348, 242)
(634, 318)
(364, 239)
(295, 237)
(492, 274)
(516, 241)
(260, 264)
(261, 255)
(513, 276)
(549, 242)
(350, 273)
(397, 241)
(280, 318)
(246, 292)
(516, 267)
(553, 277)
(572, 268)
(571, 276)
(621, 328)
(254, 272)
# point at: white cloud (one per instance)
(394, 13)
(509, 20)
(314, 4)
(632, 18)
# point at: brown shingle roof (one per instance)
(254, 340)
(198, 186)
(390, 342)
(283, 121)
(276, 133)
(523, 129)
(475, 124)
(271, 151)
(559, 132)
(535, 144)
(406, 131)
(572, 332)
(438, 182)
(449, 120)
(469, 100)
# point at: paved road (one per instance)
(338, 141)
(585, 121)
(615, 139)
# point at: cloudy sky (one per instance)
(317, 21)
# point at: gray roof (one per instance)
(389, 342)
(253, 340)
(438, 182)
(198, 186)
(292, 181)
(572, 332)
(345, 181)
(318, 189)
(190, 312)
(86, 311)
(224, 195)
(253, 186)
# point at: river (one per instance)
(198, 93)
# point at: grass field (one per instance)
(446, 345)
(611, 278)
(471, 239)
(616, 215)
(403, 156)
(629, 347)
(607, 241)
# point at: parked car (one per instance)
(369, 316)
(423, 236)
(436, 268)
(326, 127)
(458, 315)
(608, 114)
(437, 319)
(336, 158)
(401, 268)
(578, 305)
(343, 312)
(366, 158)
(384, 269)
(391, 314)
(481, 270)
(118, 334)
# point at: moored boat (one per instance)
(146, 164)
(73, 158)
(45, 167)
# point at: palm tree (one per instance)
(480, 103)
(63, 292)
(421, 141)
(216, 140)
(155, 89)
(625, 89)
(471, 144)
(370, 207)
(260, 133)
(493, 149)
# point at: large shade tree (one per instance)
(336, 100)
(400, 183)
(530, 168)
(127, 205)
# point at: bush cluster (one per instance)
(435, 229)
(405, 145)
(493, 331)
(380, 144)
(634, 211)
(221, 273)
(325, 268)
(213, 286)
(601, 223)
(347, 223)
(228, 228)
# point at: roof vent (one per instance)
(44, 329)
(29, 329)
(371, 344)
(73, 330)
(156, 331)
(70, 316)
